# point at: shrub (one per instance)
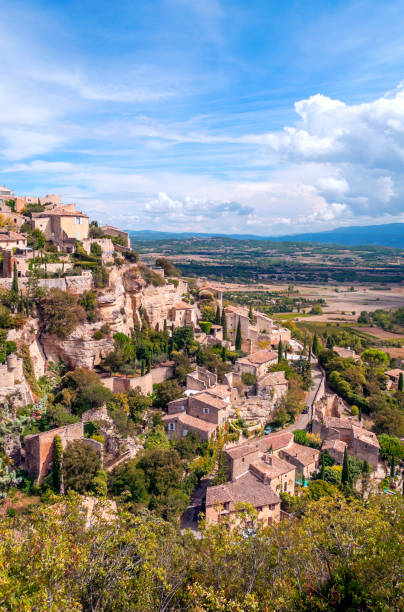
(81, 463)
(354, 410)
(205, 326)
(60, 313)
(98, 335)
(248, 378)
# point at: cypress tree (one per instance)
(57, 464)
(400, 382)
(330, 343)
(15, 279)
(217, 317)
(142, 368)
(165, 325)
(250, 314)
(224, 357)
(148, 362)
(199, 357)
(238, 336)
(280, 351)
(345, 469)
(315, 345)
(393, 467)
(223, 323)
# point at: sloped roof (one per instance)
(211, 400)
(276, 468)
(274, 440)
(247, 488)
(182, 306)
(190, 421)
(259, 357)
(60, 211)
(304, 454)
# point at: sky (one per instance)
(265, 117)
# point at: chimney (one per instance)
(268, 458)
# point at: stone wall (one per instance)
(39, 448)
(73, 284)
(122, 384)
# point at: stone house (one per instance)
(362, 443)
(222, 500)
(256, 363)
(273, 386)
(201, 379)
(394, 376)
(110, 230)
(305, 458)
(183, 314)
(10, 240)
(13, 386)
(11, 216)
(336, 449)
(106, 244)
(62, 225)
(202, 413)
(329, 405)
(39, 448)
(345, 352)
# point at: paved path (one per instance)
(303, 419)
(189, 519)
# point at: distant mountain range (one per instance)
(388, 235)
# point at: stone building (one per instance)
(10, 239)
(361, 443)
(115, 232)
(256, 363)
(11, 216)
(202, 413)
(183, 314)
(329, 405)
(62, 225)
(39, 448)
(201, 379)
(13, 387)
(345, 353)
(106, 244)
(258, 472)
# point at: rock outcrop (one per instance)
(80, 349)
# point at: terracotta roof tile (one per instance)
(276, 440)
(247, 488)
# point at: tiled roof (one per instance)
(259, 357)
(187, 419)
(5, 235)
(338, 445)
(345, 352)
(276, 468)
(219, 391)
(274, 440)
(247, 488)
(182, 306)
(210, 400)
(275, 378)
(304, 454)
(365, 435)
(60, 211)
(396, 373)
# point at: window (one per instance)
(206, 411)
(184, 432)
(78, 220)
(171, 427)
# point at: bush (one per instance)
(60, 313)
(205, 326)
(81, 463)
(248, 378)
(98, 335)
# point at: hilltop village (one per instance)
(122, 378)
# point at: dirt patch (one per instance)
(18, 502)
(394, 351)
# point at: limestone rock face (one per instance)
(18, 396)
(158, 301)
(118, 304)
(80, 349)
(28, 336)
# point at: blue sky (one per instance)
(262, 117)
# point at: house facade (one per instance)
(256, 363)
(62, 225)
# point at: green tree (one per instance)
(375, 358)
(60, 313)
(15, 279)
(393, 467)
(315, 346)
(224, 324)
(250, 314)
(217, 317)
(238, 336)
(280, 351)
(81, 463)
(401, 382)
(167, 391)
(345, 476)
(223, 354)
(95, 249)
(57, 464)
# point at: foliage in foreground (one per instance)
(341, 555)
